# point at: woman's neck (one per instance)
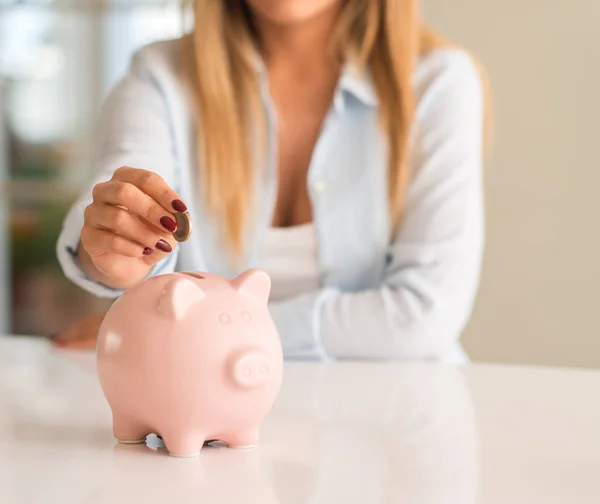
(304, 46)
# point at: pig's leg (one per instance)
(128, 430)
(183, 444)
(242, 439)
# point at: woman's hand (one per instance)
(81, 335)
(128, 227)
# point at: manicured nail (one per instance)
(148, 251)
(164, 246)
(168, 224)
(179, 206)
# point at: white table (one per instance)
(340, 433)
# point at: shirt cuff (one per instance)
(298, 321)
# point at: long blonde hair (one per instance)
(385, 37)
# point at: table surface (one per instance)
(343, 433)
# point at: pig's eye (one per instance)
(246, 316)
(224, 318)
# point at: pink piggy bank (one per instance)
(191, 357)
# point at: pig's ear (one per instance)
(255, 283)
(178, 296)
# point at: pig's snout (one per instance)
(250, 369)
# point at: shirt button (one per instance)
(319, 186)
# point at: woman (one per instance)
(333, 143)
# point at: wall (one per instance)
(538, 300)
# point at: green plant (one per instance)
(37, 247)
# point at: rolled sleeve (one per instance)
(298, 321)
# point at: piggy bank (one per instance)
(191, 357)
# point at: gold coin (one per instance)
(184, 227)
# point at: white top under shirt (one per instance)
(291, 261)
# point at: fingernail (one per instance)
(179, 206)
(148, 251)
(168, 224)
(164, 246)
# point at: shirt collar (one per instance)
(358, 83)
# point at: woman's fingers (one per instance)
(142, 193)
(98, 242)
(123, 223)
(88, 344)
(153, 185)
(81, 334)
(129, 226)
(126, 195)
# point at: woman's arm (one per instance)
(425, 299)
(134, 131)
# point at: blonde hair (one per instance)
(384, 37)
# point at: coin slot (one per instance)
(195, 275)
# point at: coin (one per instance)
(184, 227)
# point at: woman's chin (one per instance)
(290, 12)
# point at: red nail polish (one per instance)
(168, 224)
(179, 206)
(148, 251)
(164, 246)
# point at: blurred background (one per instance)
(58, 60)
(538, 298)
